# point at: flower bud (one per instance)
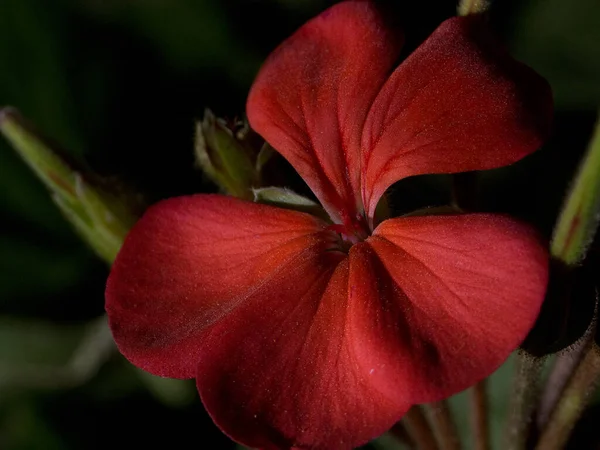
(101, 217)
(227, 157)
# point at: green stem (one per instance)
(443, 425)
(572, 403)
(480, 422)
(578, 220)
(562, 371)
(524, 395)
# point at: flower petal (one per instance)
(280, 374)
(312, 95)
(458, 103)
(440, 302)
(189, 262)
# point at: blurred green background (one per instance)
(120, 83)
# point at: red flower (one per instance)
(296, 341)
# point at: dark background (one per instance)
(120, 83)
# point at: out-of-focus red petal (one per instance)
(458, 103)
(312, 95)
(190, 261)
(440, 302)
(281, 374)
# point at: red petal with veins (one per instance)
(458, 103)
(283, 373)
(423, 309)
(190, 261)
(311, 98)
(295, 344)
(438, 303)
(255, 300)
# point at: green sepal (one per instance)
(226, 157)
(285, 198)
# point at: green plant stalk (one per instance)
(575, 397)
(565, 363)
(100, 218)
(418, 429)
(443, 425)
(574, 231)
(479, 416)
(524, 396)
(578, 220)
(46, 164)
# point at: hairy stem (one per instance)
(525, 392)
(562, 370)
(443, 425)
(419, 429)
(572, 403)
(479, 418)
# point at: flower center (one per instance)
(355, 229)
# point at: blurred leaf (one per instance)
(188, 33)
(34, 75)
(32, 42)
(34, 354)
(35, 342)
(560, 39)
(171, 392)
(25, 429)
(28, 268)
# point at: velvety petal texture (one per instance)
(437, 303)
(252, 300)
(458, 103)
(312, 95)
(296, 344)
(298, 338)
(192, 260)
(285, 372)
(424, 308)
